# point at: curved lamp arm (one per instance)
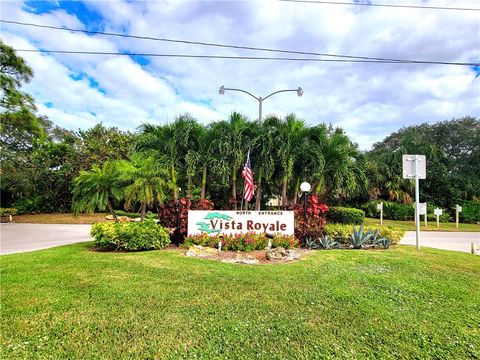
(299, 92)
(222, 91)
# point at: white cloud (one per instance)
(368, 100)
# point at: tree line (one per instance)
(45, 167)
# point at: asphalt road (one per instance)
(456, 241)
(15, 238)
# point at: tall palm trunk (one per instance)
(284, 193)
(258, 195)
(110, 208)
(295, 191)
(173, 176)
(234, 187)
(189, 186)
(143, 210)
(204, 183)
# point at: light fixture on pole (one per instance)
(305, 187)
(260, 99)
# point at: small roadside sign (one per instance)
(437, 213)
(422, 208)
(379, 206)
(459, 208)
(409, 166)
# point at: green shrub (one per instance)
(241, 242)
(470, 212)
(343, 215)
(146, 235)
(342, 233)
(7, 211)
(148, 215)
(391, 210)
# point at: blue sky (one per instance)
(368, 100)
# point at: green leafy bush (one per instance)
(470, 212)
(146, 235)
(149, 215)
(342, 233)
(391, 210)
(7, 211)
(241, 242)
(344, 215)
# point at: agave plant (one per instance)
(312, 243)
(380, 241)
(326, 243)
(384, 243)
(359, 237)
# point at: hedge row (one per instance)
(343, 215)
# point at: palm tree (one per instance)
(162, 140)
(230, 147)
(343, 167)
(292, 145)
(146, 181)
(263, 150)
(175, 145)
(94, 189)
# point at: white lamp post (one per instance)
(305, 187)
(260, 100)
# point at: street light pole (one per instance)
(260, 99)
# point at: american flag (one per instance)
(248, 176)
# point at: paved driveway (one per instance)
(456, 241)
(15, 238)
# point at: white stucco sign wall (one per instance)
(215, 222)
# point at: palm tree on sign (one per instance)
(96, 188)
(146, 181)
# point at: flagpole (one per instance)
(244, 180)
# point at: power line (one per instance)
(245, 57)
(206, 43)
(381, 5)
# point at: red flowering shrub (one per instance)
(315, 218)
(169, 214)
(241, 242)
(202, 205)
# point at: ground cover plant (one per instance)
(72, 302)
(241, 242)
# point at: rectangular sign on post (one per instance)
(437, 213)
(422, 208)
(409, 166)
(214, 222)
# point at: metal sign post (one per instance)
(437, 213)
(414, 167)
(458, 210)
(380, 208)
(423, 211)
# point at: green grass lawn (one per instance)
(72, 302)
(431, 225)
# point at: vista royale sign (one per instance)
(215, 222)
